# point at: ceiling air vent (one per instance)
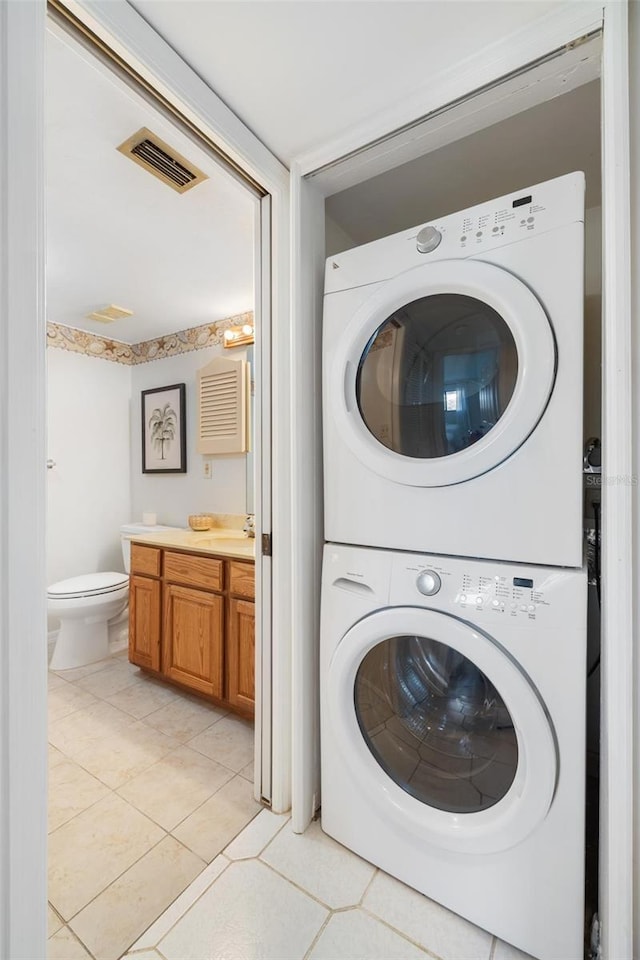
(156, 156)
(109, 314)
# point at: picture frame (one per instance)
(164, 430)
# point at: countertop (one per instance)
(217, 542)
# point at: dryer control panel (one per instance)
(472, 232)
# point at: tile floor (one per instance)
(146, 786)
(272, 895)
(159, 852)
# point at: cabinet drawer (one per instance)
(145, 560)
(242, 579)
(193, 571)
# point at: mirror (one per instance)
(250, 460)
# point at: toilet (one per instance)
(85, 605)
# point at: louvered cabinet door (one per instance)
(241, 655)
(222, 407)
(193, 638)
(144, 622)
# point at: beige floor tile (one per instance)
(336, 876)
(248, 912)
(230, 742)
(219, 819)
(185, 718)
(96, 723)
(54, 756)
(142, 698)
(71, 790)
(64, 946)
(53, 921)
(93, 849)
(115, 760)
(67, 699)
(77, 673)
(427, 923)
(143, 955)
(117, 676)
(117, 917)
(191, 777)
(54, 680)
(504, 951)
(354, 935)
(181, 904)
(248, 772)
(255, 837)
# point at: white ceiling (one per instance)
(115, 233)
(300, 74)
(546, 141)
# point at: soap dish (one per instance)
(201, 521)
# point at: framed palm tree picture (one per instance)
(164, 434)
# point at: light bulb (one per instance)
(247, 329)
(229, 334)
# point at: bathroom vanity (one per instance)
(192, 613)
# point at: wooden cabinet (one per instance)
(241, 649)
(144, 622)
(194, 638)
(192, 620)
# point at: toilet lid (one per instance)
(89, 585)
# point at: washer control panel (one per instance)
(474, 590)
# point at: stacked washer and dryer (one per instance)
(453, 625)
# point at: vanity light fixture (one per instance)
(239, 336)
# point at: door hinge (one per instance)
(266, 544)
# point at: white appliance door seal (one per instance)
(536, 351)
(527, 801)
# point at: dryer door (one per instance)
(446, 733)
(443, 373)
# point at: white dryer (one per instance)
(453, 734)
(453, 364)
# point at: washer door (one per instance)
(443, 373)
(443, 732)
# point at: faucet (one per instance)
(250, 525)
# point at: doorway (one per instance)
(152, 768)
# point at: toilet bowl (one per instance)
(84, 606)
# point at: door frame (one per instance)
(563, 28)
(23, 813)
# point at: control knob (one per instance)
(428, 583)
(428, 239)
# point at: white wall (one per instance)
(89, 487)
(174, 496)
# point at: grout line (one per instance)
(402, 933)
(318, 935)
(375, 874)
(494, 947)
(307, 893)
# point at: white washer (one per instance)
(453, 356)
(453, 734)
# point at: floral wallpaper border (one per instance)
(184, 341)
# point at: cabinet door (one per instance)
(193, 638)
(241, 654)
(144, 622)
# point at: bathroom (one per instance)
(180, 268)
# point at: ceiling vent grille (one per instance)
(222, 407)
(156, 156)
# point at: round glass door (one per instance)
(436, 724)
(437, 376)
(441, 373)
(441, 730)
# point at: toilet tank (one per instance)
(130, 530)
